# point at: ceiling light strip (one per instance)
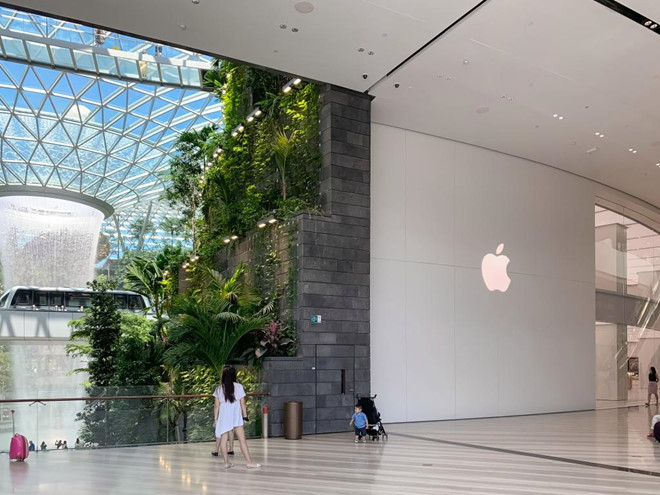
(631, 14)
(430, 42)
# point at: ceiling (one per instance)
(496, 79)
(94, 136)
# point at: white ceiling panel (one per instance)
(497, 79)
(324, 48)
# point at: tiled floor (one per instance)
(576, 453)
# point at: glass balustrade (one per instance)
(115, 417)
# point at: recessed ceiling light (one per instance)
(561, 117)
(304, 7)
(648, 23)
(370, 52)
(466, 61)
(555, 115)
(657, 164)
(183, 27)
(630, 149)
(592, 150)
(294, 30)
(196, 2)
(360, 50)
(283, 26)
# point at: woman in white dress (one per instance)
(230, 411)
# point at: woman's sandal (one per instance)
(253, 466)
(214, 453)
(229, 465)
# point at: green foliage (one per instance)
(102, 324)
(273, 166)
(207, 325)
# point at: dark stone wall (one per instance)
(333, 255)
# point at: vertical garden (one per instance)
(224, 296)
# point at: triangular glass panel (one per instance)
(31, 178)
(4, 120)
(17, 168)
(62, 105)
(8, 97)
(45, 125)
(57, 152)
(92, 95)
(96, 143)
(97, 168)
(67, 175)
(40, 156)
(30, 123)
(62, 88)
(46, 76)
(35, 99)
(59, 135)
(4, 79)
(42, 172)
(73, 130)
(30, 81)
(24, 147)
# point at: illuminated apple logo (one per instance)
(493, 270)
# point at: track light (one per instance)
(289, 86)
(254, 114)
(234, 237)
(269, 220)
(227, 240)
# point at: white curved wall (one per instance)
(442, 345)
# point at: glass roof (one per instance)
(94, 134)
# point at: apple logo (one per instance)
(493, 270)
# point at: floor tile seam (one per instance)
(546, 457)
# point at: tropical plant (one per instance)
(283, 148)
(102, 325)
(207, 325)
(145, 275)
(5, 369)
(272, 339)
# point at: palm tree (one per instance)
(207, 325)
(282, 151)
(145, 276)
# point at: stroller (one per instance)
(376, 429)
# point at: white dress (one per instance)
(230, 415)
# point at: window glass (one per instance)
(121, 301)
(135, 303)
(57, 299)
(79, 299)
(3, 300)
(23, 298)
(41, 299)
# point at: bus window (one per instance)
(121, 301)
(135, 303)
(22, 298)
(41, 299)
(57, 299)
(78, 300)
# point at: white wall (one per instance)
(442, 345)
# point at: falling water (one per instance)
(44, 242)
(47, 242)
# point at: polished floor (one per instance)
(596, 452)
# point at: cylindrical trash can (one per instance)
(293, 420)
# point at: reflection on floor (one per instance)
(576, 453)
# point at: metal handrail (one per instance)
(124, 397)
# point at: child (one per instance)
(361, 423)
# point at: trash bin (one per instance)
(293, 420)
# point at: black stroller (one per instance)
(376, 429)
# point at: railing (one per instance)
(116, 420)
